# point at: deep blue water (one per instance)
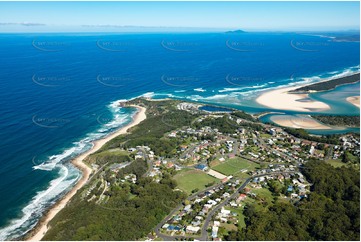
(58, 93)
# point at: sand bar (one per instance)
(355, 100)
(298, 122)
(42, 227)
(283, 100)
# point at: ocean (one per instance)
(59, 92)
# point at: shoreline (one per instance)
(299, 122)
(282, 99)
(38, 232)
(355, 100)
(289, 99)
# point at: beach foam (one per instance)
(32, 212)
(199, 90)
(40, 202)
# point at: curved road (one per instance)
(204, 233)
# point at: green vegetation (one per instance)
(303, 134)
(347, 157)
(240, 215)
(335, 163)
(193, 179)
(264, 194)
(150, 132)
(329, 85)
(331, 212)
(109, 156)
(125, 211)
(244, 115)
(233, 165)
(121, 218)
(223, 124)
(337, 120)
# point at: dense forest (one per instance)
(329, 85)
(337, 120)
(331, 212)
(244, 115)
(130, 214)
(303, 134)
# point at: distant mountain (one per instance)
(238, 31)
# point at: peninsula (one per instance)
(187, 174)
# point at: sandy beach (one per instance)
(283, 100)
(299, 122)
(355, 100)
(42, 227)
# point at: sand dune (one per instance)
(302, 122)
(355, 100)
(283, 100)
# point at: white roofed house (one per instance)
(192, 229)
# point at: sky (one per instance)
(182, 16)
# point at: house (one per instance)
(241, 197)
(187, 208)
(196, 223)
(172, 135)
(294, 195)
(212, 202)
(202, 167)
(170, 165)
(214, 232)
(231, 155)
(192, 229)
(225, 179)
(226, 194)
(290, 188)
(170, 228)
(233, 204)
(312, 150)
(225, 212)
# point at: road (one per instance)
(204, 233)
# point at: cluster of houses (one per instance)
(200, 207)
(349, 143)
(191, 107)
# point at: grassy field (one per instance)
(335, 163)
(240, 216)
(189, 180)
(233, 166)
(262, 201)
(264, 194)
